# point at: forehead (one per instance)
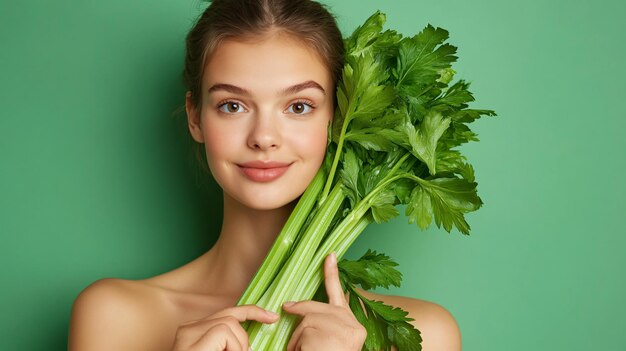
(272, 61)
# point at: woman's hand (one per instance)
(330, 326)
(220, 331)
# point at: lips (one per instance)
(263, 171)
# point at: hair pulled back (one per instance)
(305, 20)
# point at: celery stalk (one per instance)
(312, 280)
(295, 266)
(284, 241)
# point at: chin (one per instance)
(261, 204)
(265, 201)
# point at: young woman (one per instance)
(261, 76)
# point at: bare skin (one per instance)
(278, 110)
(146, 314)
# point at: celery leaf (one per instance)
(423, 139)
(449, 200)
(370, 271)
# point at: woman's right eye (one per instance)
(231, 107)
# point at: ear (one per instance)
(193, 119)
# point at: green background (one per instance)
(97, 179)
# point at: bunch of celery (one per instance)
(392, 142)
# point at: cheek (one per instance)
(217, 151)
(218, 141)
(312, 142)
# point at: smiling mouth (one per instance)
(263, 172)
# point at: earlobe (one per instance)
(193, 119)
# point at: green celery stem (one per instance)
(312, 280)
(333, 169)
(285, 239)
(292, 271)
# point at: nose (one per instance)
(264, 133)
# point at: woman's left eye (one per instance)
(299, 108)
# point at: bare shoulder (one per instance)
(117, 314)
(438, 328)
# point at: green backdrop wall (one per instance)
(96, 178)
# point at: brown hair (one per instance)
(305, 20)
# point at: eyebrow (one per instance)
(290, 90)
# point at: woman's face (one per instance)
(265, 110)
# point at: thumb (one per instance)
(332, 283)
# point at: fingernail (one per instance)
(333, 257)
(249, 349)
(288, 304)
(275, 315)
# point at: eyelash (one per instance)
(306, 102)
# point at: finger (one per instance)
(220, 337)
(332, 283)
(296, 337)
(248, 312)
(309, 336)
(314, 323)
(226, 324)
(237, 330)
(307, 307)
(230, 318)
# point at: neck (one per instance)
(246, 237)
